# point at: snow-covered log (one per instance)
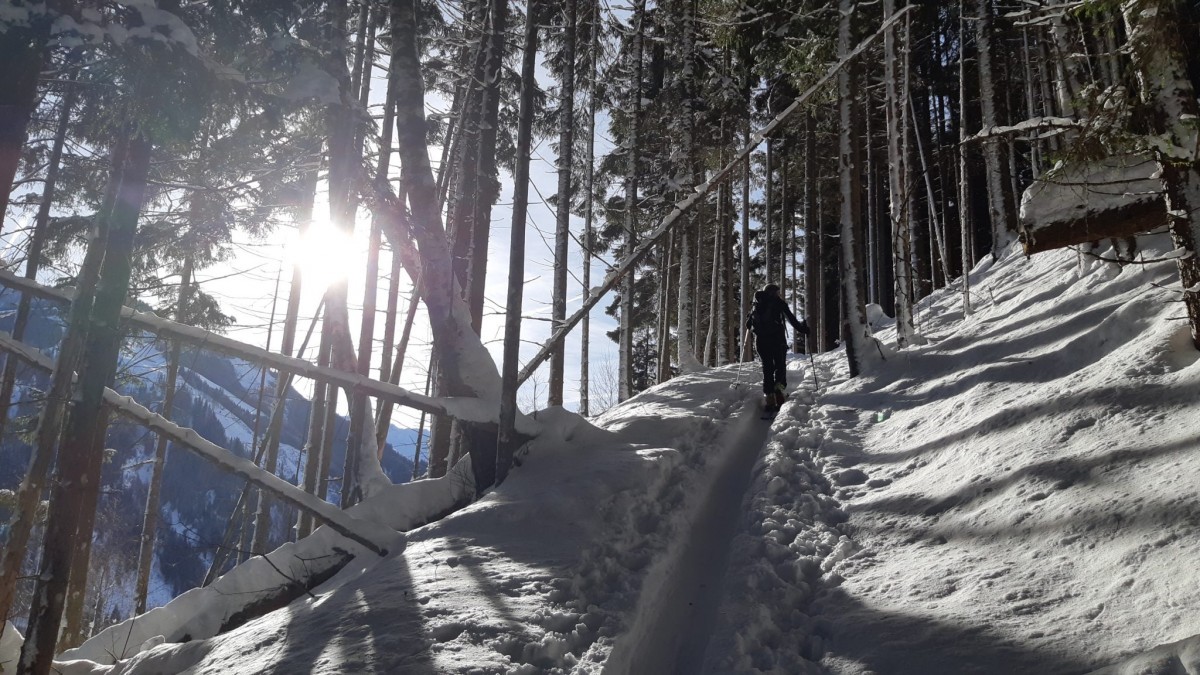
(461, 408)
(269, 581)
(1076, 203)
(374, 537)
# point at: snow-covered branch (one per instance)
(372, 536)
(463, 409)
(1049, 124)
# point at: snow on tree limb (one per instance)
(626, 266)
(1052, 125)
(462, 408)
(371, 535)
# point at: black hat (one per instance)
(771, 288)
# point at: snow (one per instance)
(1015, 495)
(1070, 192)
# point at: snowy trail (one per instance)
(672, 627)
(715, 528)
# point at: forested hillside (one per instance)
(511, 172)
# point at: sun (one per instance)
(324, 255)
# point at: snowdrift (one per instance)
(1016, 496)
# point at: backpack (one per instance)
(762, 319)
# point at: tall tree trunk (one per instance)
(710, 344)
(724, 219)
(663, 325)
(360, 410)
(1000, 196)
(1069, 76)
(344, 157)
(589, 182)
(150, 516)
(489, 184)
(1159, 52)
(625, 350)
(769, 213)
(313, 442)
(964, 188)
(458, 344)
(785, 230)
(812, 238)
(385, 410)
(897, 187)
(475, 193)
(382, 169)
(271, 439)
(562, 229)
(744, 242)
(507, 441)
(73, 505)
(854, 323)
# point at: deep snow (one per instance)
(1017, 495)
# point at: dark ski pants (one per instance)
(774, 364)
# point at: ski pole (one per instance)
(812, 365)
(738, 382)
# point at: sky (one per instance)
(247, 282)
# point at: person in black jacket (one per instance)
(766, 321)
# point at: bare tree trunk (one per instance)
(589, 180)
(360, 411)
(812, 239)
(151, 515)
(724, 215)
(421, 431)
(385, 410)
(964, 191)
(271, 439)
(457, 343)
(935, 222)
(489, 185)
(1000, 197)
(785, 231)
(854, 331)
(73, 505)
(744, 242)
(663, 327)
(625, 349)
(383, 168)
(898, 211)
(710, 345)
(562, 230)
(1159, 53)
(314, 438)
(1069, 77)
(507, 441)
(769, 213)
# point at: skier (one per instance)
(770, 341)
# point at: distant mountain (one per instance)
(228, 402)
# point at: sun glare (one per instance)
(323, 255)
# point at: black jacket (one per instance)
(767, 318)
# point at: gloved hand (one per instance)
(803, 327)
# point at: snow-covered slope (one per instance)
(1019, 496)
(1016, 496)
